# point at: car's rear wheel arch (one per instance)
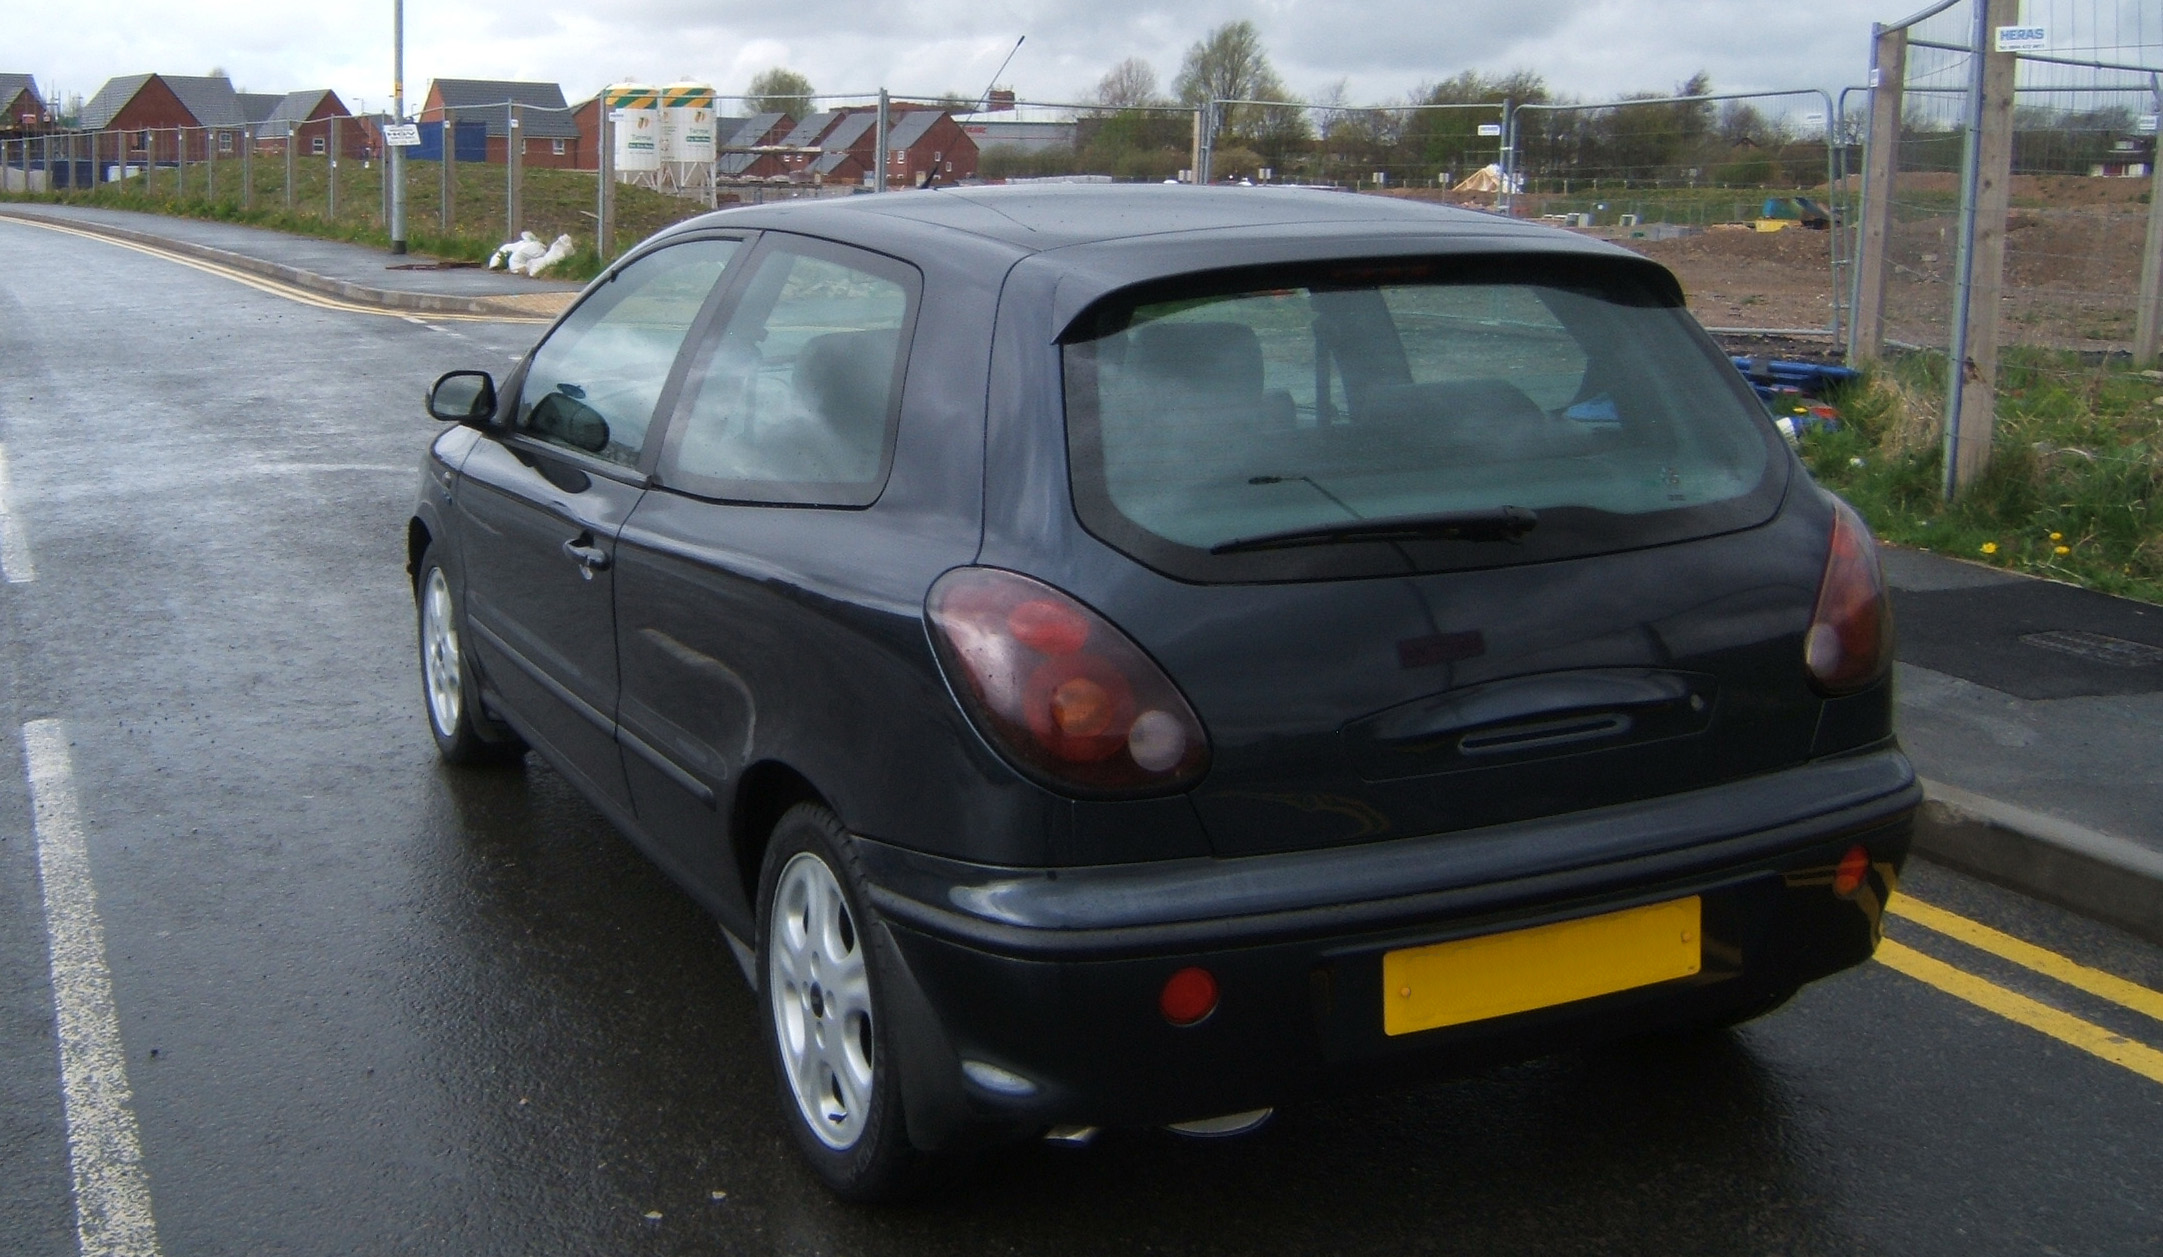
(768, 790)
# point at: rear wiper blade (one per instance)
(1494, 523)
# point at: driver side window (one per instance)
(594, 383)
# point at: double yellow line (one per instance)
(271, 286)
(2036, 1015)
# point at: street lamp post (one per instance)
(395, 168)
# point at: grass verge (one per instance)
(308, 199)
(2075, 486)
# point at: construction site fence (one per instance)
(2011, 197)
(1886, 173)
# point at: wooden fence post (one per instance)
(1881, 165)
(1994, 186)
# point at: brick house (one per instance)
(845, 149)
(757, 131)
(924, 142)
(918, 142)
(548, 131)
(156, 114)
(22, 110)
(796, 167)
(310, 116)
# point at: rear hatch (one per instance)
(1435, 545)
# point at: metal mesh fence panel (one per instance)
(2082, 144)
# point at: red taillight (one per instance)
(1850, 642)
(1060, 691)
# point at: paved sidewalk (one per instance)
(354, 272)
(2034, 711)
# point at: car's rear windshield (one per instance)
(1344, 421)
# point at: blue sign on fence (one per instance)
(469, 142)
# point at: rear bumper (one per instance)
(1054, 975)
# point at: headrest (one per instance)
(1220, 360)
(844, 377)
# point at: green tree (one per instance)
(1447, 141)
(780, 90)
(1230, 64)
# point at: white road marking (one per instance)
(15, 564)
(112, 1193)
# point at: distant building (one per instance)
(845, 149)
(548, 133)
(927, 144)
(796, 166)
(919, 141)
(307, 118)
(165, 117)
(2130, 157)
(21, 108)
(737, 135)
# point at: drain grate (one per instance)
(2115, 651)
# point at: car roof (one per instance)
(1088, 240)
(1035, 218)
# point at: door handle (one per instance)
(589, 557)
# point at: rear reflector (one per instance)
(1854, 867)
(1188, 996)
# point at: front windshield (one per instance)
(1204, 420)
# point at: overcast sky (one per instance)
(1593, 49)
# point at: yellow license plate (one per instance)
(1473, 979)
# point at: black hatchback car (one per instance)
(1137, 655)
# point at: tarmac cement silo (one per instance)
(687, 123)
(634, 110)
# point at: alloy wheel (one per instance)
(439, 654)
(821, 994)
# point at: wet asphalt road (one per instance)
(370, 1005)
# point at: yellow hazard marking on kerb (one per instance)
(270, 286)
(2062, 1026)
(2021, 952)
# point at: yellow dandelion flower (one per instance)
(2057, 536)
(1990, 547)
(2065, 549)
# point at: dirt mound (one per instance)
(1787, 247)
(1738, 277)
(2060, 191)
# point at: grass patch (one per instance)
(552, 203)
(2075, 486)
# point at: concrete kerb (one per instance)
(2075, 867)
(521, 305)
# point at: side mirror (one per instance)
(463, 397)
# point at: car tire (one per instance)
(825, 965)
(463, 734)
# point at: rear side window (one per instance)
(793, 399)
(594, 383)
(1283, 430)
